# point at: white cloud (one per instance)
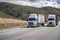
(37, 3)
(21, 3)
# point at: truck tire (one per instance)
(27, 26)
(42, 24)
(56, 20)
(56, 23)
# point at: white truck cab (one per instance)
(32, 20)
(52, 19)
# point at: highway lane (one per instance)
(39, 33)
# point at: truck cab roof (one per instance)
(33, 16)
(51, 16)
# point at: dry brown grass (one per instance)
(11, 22)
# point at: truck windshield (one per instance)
(51, 19)
(31, 19)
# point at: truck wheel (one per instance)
(27, 26)
(42, 24)
(56, 24)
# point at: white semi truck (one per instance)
(52, 19)
(36, 20)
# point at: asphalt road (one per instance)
(39, 33)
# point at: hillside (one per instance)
(22, 12)
(14, 15)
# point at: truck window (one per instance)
(50, 18)
(31, 19)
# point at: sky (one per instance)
(33, 3)
(25, 0)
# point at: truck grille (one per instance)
(30, 23)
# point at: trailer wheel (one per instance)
(42, 24)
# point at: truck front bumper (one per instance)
(51, 23)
